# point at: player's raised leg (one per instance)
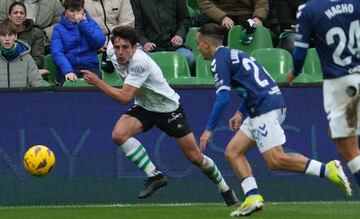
(208, 167)
(349, 150)
(278, 160)
(122, 134)
(235, 154)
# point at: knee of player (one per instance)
(195, 158)
(232, 153)
(229, 155)
(119, 138)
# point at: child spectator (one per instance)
(17, 67)
(28, 32)
(75, 42)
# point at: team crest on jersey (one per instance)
(137, 70)
(351, 91)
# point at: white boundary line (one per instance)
(159, 205)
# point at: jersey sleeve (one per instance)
(303, 35)
(220, 68)
(138, 72)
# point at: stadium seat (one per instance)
(78, 83)
(172, 64)
(303, 78)
(187, 81)
(262, 39)
(203, 70)
(191, 41)
(111, 78)
(52, 68)
(276, 61)
(312, 65)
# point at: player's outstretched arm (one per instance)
(123, 95)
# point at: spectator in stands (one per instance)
(110, 13)
(248, 13)
(75, 42)
(286, 11)
(45, 13)
(28, 32)
(17, 67)
(162, 26)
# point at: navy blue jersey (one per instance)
(237, 71)
(334, 26)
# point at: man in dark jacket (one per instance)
(163, 25)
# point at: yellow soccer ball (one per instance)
(39, 160)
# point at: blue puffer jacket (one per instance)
(76, 44)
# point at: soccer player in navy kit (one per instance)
(261, 98)
(334, 26)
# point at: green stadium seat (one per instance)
(276, 61)
(187, 81)
(111, 78)
(172, 64)
(52, 68)
(304, 78)
(203, 70)
(312, 65)
(78, 83)
(191, 41)
(262, 39)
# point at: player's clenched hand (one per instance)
(235, 121)
(290, 77)
(90, 77)
(204, 139)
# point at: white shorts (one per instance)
(266, 129)
(341, 104)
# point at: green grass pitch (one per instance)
(272, 210)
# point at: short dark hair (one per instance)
(126, 33)
(17, 4)
(74, 4)
(6, 28)
(213, 30)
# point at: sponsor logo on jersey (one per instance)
(137, 70)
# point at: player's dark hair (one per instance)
(6, 28)
(73, 4)
(125, 33)
(17, 4)
(213, 31)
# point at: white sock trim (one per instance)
(130, 146)
(354, 164)
(314, 168)
(206, 163)
(249, 183)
